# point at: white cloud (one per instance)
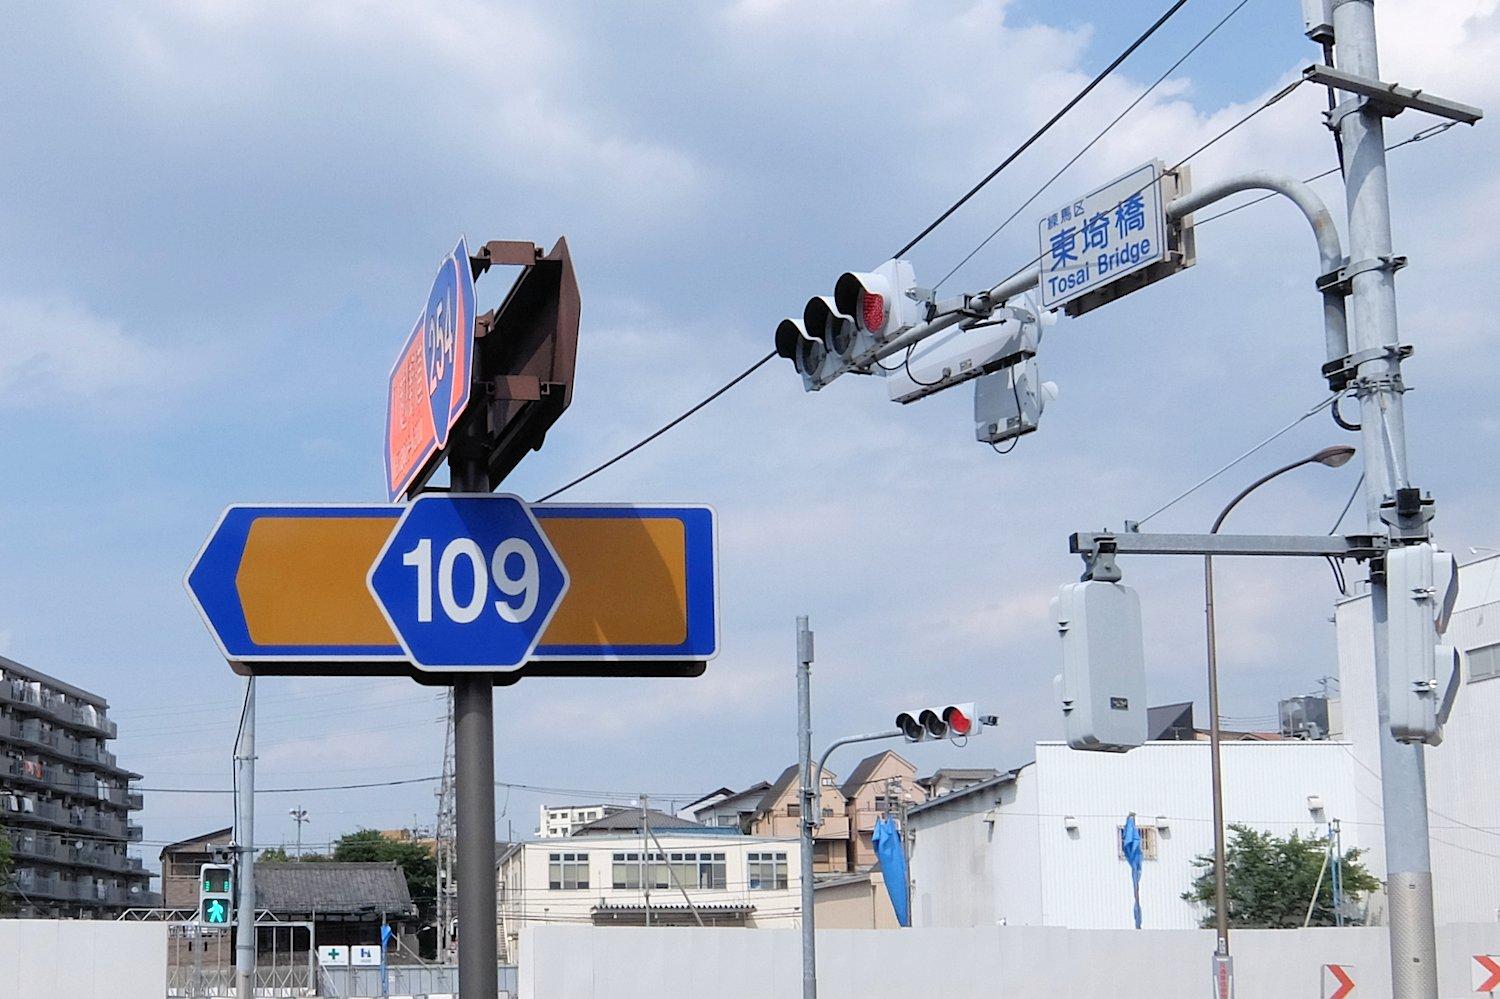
(53, 350)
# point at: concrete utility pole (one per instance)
(474, 762)
(244, 945)
(809, 810)
(1392, 507)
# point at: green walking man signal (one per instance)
(216, 894)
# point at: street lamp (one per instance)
(1332, 457)
(299, 815)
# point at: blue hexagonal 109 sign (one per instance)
(468, 582)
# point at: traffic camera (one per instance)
(1102, 687)
(840, 333)
(215, 894)
(1423, 678)
(943, 721)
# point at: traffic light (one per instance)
(1421, 588)
(943, 721)
(1102, 687)
(216, 894)
(840, 333)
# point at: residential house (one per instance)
(883, 784)
(642, 822)
(778, 815)
(604, 878)
(706, 801)
(949, 779)
(734, 810)
(347, 903)
(182, 860)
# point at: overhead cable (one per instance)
(1178, 5)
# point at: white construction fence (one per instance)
(1002, 962)
(82, 959)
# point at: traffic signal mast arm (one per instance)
(967, 310)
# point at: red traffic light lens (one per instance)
(958, 722)
(872, 311)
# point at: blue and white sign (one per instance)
(364, 956)
(468, 582)
(1111, 232)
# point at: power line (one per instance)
(1045, 128)
(647, 440)
(1093, 142)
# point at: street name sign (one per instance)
(577, 589)
(1092, 245)
(431, 380)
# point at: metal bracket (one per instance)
(1342, 372)
(1342, 280)
(1095, 545)
(1099, 563)
(1387, 99)
(1408, 513)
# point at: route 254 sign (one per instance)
(1114, 240)
(430, 383)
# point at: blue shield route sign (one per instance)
(1107, 234)
(468, 582)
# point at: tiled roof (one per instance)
(333, 888)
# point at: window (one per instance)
(767, 871)
(698, 870)
(793, 810)
(567, 871)
(827, 781)
(1484, 663)
(626, 871)
(727, 821)
(1148, 841)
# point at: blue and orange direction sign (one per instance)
(288, 589)
(430, 382)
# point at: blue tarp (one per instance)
(892, 857)
(1130, 841)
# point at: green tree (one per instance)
(415, 859)
(1270, 880)
(273, 855)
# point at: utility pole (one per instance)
(443, 836)
(649, 869)
(1393, 506)
(244, 945)
(299, 816)
(808, 809)
(474, 762)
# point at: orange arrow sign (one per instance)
(1342, 981)
(1487, 974)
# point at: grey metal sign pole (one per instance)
(474, 765)
(244, 875)
(809, 809)
(1390, 506)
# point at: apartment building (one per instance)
(779, 816)
(881, 785)
(688, 873)
(557, 821)
(65, 802)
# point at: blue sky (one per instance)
(219, 220)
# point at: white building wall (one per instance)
(1463, 792)
(1035, 870)
(527, 900)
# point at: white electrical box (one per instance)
(1317, 20)
(1422, 586)
(1102, 687)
